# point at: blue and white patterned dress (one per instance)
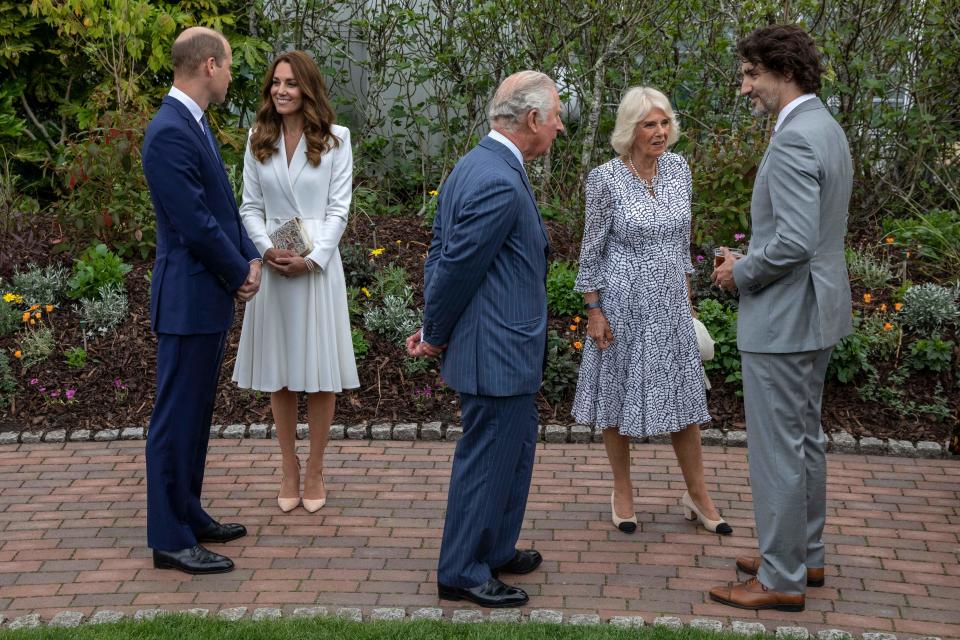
(636, 254)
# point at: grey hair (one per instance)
(636, 105)
(519, 94)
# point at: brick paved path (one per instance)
(72, 535)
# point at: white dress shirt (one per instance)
(505, 141)
(793, 104)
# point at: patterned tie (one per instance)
(209, 135)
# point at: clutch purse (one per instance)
(704, 340)
(293, 236)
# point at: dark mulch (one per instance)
(387, 393)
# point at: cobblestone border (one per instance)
(839, 441)
(72, 619)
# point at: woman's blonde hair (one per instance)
(636, 105)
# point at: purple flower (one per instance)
(700, 258)
(70, 393)
(34, 381)
(41, 389)
(55, 394)
(739, 236)
(117, 383)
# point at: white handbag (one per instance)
(704, 340)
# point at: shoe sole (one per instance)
(810, 583)
(795, 608)
(446, 595)
(166, 565)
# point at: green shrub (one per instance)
(560, 376)
(358, 268)
(928, 308)
(562, 300)
(867, 270)
(11, 317)
(98, 266)
(932, 354)
(393, 318)
(851, 356)
(8, 384)
(360, 346)
(721, 322)
(932, 238)
(105, 311)
(416, 366)
(36, 346)
(41, 285)
(389, 281)
(75, 357)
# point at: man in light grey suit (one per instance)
(794, 307)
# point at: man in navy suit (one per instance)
(204, 261)
(485, 304)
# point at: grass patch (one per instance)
(182, 627)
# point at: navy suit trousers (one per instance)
(489, 483)
(188, 368)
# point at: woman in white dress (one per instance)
(296, 331)
(641, 375)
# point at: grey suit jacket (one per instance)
(794, 289)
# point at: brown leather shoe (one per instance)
(750, 566)
(753, 595)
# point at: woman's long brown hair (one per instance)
(318, 115)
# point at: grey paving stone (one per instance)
(707, 624)
(337, 432)
(66, 619)
(405, 431)
(106, 617)
(380, 431)
(788, 633)
(232, 614)
(833, 634)
(842, 442)
(627, 622)
(29, 621)
(669, 622)
(56, 435)
(303, 431)
(132, 433)
(597, 435)
(748, 628)
(581, 433)
(427, 613)
(902, 448)
(467, 616)
(32, 437)
(431, 431)
(79, 435)
(583, 619)
(233, 431)
(350, 613)
(266, 613)
(879, 636)
(505, 615)
(388, 613)
(711, 437)
(736, 439)
(9, 437)
(309, 612)
(928, 449)
(258, 430)
(454, 432)
(541, 430)
(148, 614)
(546, 615)
(216, 430)
(556, 433)
(197, 612)
(357, 432)
(872, 446)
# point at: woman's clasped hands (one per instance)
(286, 262)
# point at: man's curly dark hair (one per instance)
(786, 49)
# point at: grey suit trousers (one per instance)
(782, 395)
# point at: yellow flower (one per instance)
(48, 308)
(13, 297)
(375, 252)
(576, 319)
(897, 306)
(867, 298)
(32, 322)
(887, 326)
(888, 239)
(399, 241)
(434, 193)
(18, 354)
(365, 291)
(578, 345)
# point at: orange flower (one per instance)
(18, 354)
(573, 327)
(897, 306)
(883, 307)
(888, 239)
(576, 319)
(33, 307)
(578, 345)
(38, 315)
(32, 322)
(908, 254)
(48, 308)
(887, 326)
(867, 298)
(26, 316)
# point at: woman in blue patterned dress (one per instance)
(641, 374)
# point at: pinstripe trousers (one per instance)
(489, 483)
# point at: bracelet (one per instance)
(310, 264)
(592, 305)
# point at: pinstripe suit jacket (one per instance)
(485, 277)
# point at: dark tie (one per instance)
(209, 135)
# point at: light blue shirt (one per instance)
(505, 141)
(793, 104)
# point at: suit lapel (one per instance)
(806, 105)
(298, 161)
(201, 140)
(282, 172)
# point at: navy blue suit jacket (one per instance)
(203, 252)
(485, 277)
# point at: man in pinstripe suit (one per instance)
(485, 305)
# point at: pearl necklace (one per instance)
(649, 184)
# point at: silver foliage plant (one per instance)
(928, 308)
(393, 318)
(41, 285)
(871, 272)
(101, 314)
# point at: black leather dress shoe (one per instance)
(216, 532)
(522, 562)
(492, 593)
(193, 559)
